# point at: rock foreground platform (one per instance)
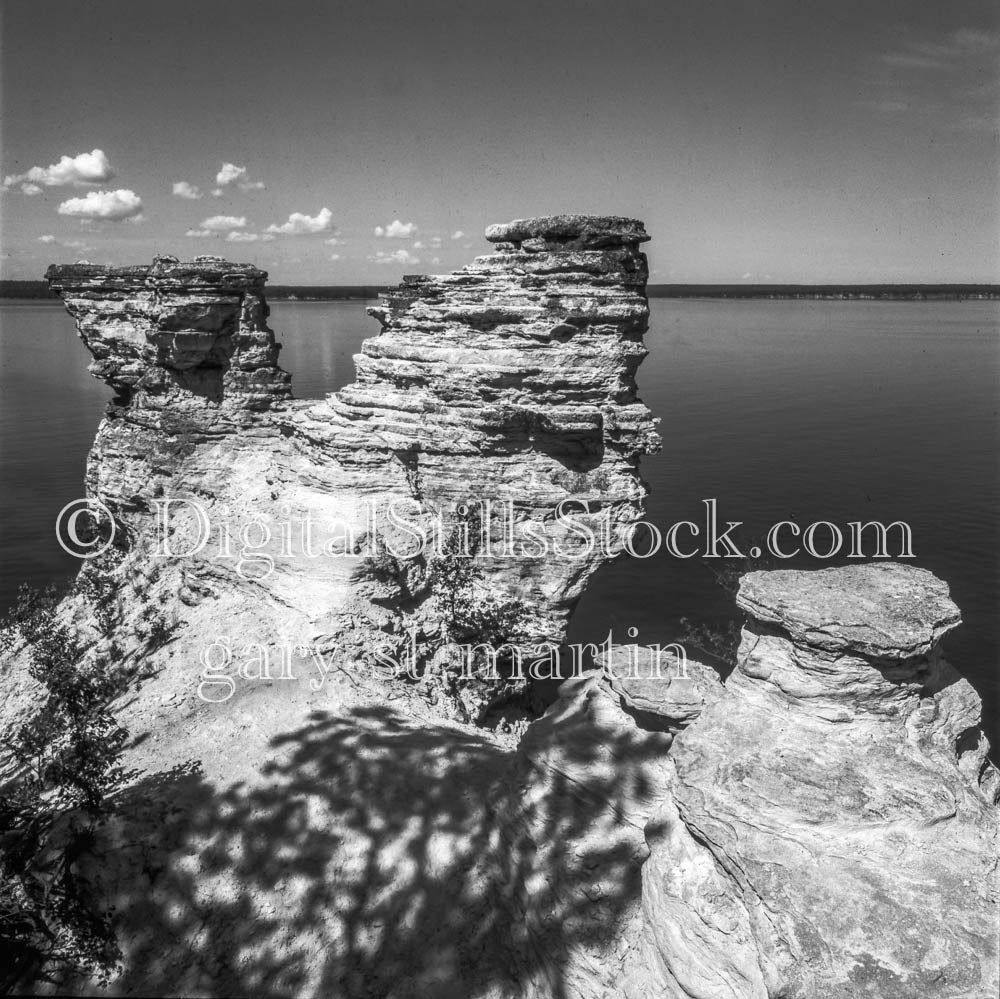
(788, 842)
(823, 823)
(875, 610)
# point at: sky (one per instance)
(352, 142)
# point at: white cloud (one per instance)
(229, 173)
(248, 237)
(112, 206)
(233, 174)
(302, 225)
(457, 234)
(333, 242)
(396, 230)
(185, 190)
(435, 260)
(84, 170)
(220, 223)
(334, 256)
(200, 233)
(395, 257)
(419, 245)
(70, 244)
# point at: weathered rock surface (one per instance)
(827, 826)
(822, 824)
(511, 380)
(840, 788)
(661, 692)
(303, 835)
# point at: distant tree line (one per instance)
(323, 292)
(40, 289)
(916, 292)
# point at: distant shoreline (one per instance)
(836, 292)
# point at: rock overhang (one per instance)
(881, 610)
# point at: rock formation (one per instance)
(824, 823)
(511, 380)
(827, 826)
(841, 789)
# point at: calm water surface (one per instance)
(806, 411)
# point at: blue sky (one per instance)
(352, 142)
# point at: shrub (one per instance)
(62, 764)
(472, 615)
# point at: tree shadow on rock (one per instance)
(375, 857)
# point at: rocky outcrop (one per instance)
(162, 334)
(824, 823)
(831, 825)
(576, 815)
(825, 826)
(841, 790)
(510, 381)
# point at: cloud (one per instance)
(200, 233)
(83, 170)
(229, 173)
(435, 260)
(419, 245)
(185, 190)
(233, 174)
(333, 242)
(335, 256)
(396, 230)
(248, 237)
(70, 244)
(220, 223)
(111, 206)
(302, 225)
(458, 234)
(395, 257)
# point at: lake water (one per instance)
(806, 411)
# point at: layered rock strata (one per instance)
(823, 824)
(841, 788)
(826, 826)
(511, 380)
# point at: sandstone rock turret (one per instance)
(510, 380)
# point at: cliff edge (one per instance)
(822, 823)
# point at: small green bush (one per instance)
(60, 768)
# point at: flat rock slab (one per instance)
(673, 695)
(590, 231)
(884, 610)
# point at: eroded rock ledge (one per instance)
(510, 380)
(827, 826)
